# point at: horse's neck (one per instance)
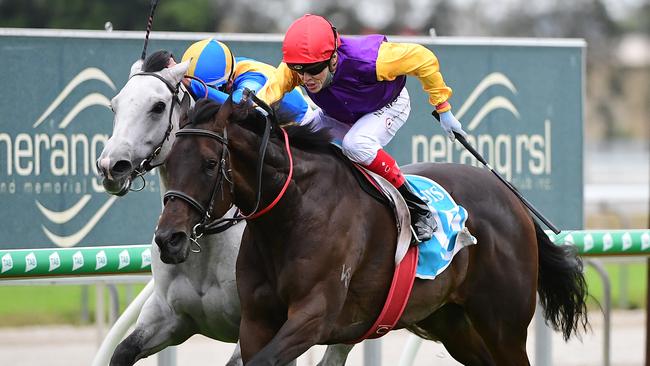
(244, 146)
(244, 160)
(162, 178)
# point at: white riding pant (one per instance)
(361, 141)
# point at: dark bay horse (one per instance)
(194, 292)
(316, 267)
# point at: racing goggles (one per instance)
(311, 69)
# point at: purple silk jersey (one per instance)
(355, 90)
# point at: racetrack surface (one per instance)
(76, 346)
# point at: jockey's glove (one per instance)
(450, 124)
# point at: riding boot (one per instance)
(422, 220)
(421, 217)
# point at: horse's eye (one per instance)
(158, 108)
(211, 164)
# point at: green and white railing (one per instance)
(127, 259)
(605, 242)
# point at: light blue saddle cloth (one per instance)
(437, 253)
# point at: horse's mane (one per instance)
(156, 61)
(305, 138)
(300, 136)
(203, 111)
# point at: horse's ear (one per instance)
(185, 102)
(136, 68)
(175, 73)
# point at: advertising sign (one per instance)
(521, 104)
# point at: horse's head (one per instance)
(201, 187)
(147, 109)
(198, 180)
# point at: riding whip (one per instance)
(154, 3)
(478, 156)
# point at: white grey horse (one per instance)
(199, 295)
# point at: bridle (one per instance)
(206, 226)
(147, 164)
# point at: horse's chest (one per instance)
(195, 297)
(214, 309)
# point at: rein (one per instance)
(207, 227)
(268, 208)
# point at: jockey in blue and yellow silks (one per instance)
(214, 63)
(359, 85)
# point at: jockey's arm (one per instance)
(198, 90)
(253, 81)
(396, 59)
(248, 80)
(282, 81)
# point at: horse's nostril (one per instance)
(160, 239)
(102, 166)
(171, 241)
(176, 239)
(121, 167)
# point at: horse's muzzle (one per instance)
(174, 246)
(116, 187)
(116, 179)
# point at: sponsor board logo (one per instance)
(517, 156)
(48, 160)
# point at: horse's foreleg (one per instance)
(336, 355)
(157, 328)
(236, 360)
(304, 327)
(254, 334)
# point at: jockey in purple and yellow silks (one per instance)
(358, 83)
(213, 63)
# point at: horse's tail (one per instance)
(562, 287)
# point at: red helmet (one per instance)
(309, 39)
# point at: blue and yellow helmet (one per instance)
(210, 61)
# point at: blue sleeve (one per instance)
(294, 105)
(251, 80)
(198, 90)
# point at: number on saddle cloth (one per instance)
(451, 236)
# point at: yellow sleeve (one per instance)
(396, 59)
(282, 81)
